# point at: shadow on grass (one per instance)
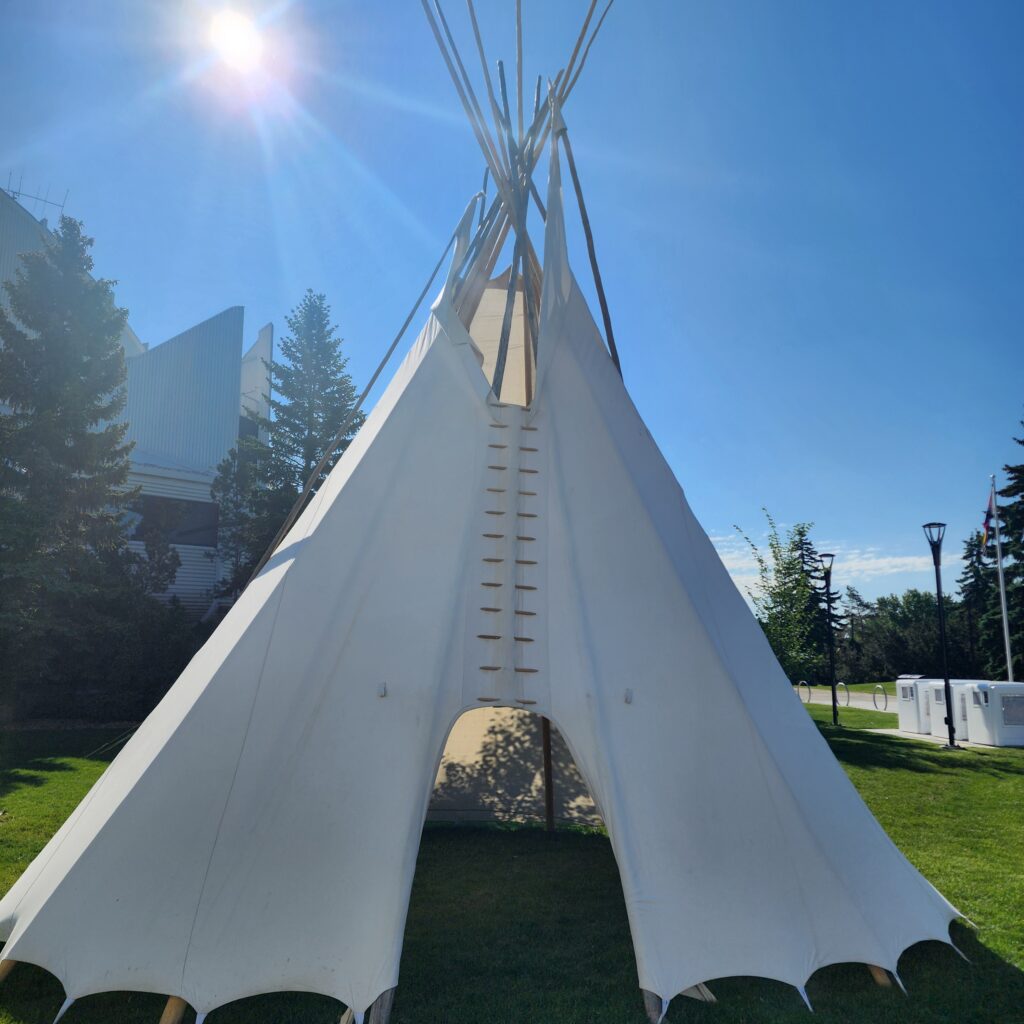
(871, 750)
(28, 758)
(31, 774)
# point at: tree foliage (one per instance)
(73, 598)
(786, 600)
(312, 397)
(312, 394)
(1011, 526)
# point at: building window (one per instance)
(182, 522)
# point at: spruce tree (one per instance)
(63, 457)
(312, 393)
(312, 396)
(1011, 526)
(977, 592)
(817, 600)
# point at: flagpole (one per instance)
(1002, 583)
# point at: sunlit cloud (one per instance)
(853, 565)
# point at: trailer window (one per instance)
(1013, 710)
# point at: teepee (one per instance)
(503, 531)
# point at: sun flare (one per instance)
(236, 40)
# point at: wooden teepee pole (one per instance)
(549, 781)
(605, 315)
(519, 70)
(495, 113)
(174, 1011)
(570, 84)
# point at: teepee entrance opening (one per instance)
(492, 770)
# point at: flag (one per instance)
(990, 512)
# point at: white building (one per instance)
(187, 399)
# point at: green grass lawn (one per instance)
(510, 925)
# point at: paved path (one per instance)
(927, 738)
(823, 695)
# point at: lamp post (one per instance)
(935, 532)
(827, 558)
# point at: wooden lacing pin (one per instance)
(523, 700)
(497, 467)
(524, 561)
(521, 611)
(494, 561)
(495, 536)
(528, 671)
(495, 445)
(497, 490)
(485, 609)
(522, 448)
(523, 639)
(488, 636)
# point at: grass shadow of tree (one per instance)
(875, 750)
(31, 774)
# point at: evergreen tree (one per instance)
(857, 653)
(785, 602)
(1011, 526)
(977, 591)
(63, 457)
(818, 600)
(259, 482)
(312, 394)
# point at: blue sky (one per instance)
(810, 218)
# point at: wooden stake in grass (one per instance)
(174, 1011)
(549, 782)
(881, 976)
(6, 966)
(380, 1011)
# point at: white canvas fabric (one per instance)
(259, 832)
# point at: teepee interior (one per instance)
(502, 533)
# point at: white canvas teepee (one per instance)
(259, 832)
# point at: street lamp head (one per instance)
(827, 558)
(935, 532)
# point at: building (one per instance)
(187, 404)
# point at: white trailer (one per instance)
(959, 688)
(913, 704)
(995, 714)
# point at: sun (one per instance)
(236, 40)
